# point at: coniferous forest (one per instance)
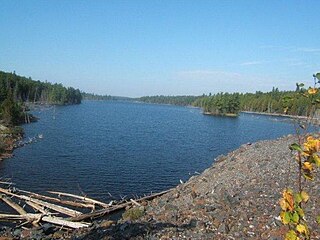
(275, 101)
(17, 90)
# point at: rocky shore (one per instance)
(236, 198)
(8, 138)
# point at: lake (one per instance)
(124, 148)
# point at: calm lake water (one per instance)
(126, 148)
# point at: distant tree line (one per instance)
(92, 96)
(275, 101)
(97, 97)
(17, 90)
(174, 100)
(27, 90)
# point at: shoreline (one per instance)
(220, 115)
(278, 115)
(9, 136)
(236, 198)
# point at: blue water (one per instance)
(125, 148)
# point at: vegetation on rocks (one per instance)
(133, 213)
(8, 136)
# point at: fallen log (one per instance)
(31, 217)
(56, 200)
(6, 183)
(63, 210)
(38, 208)
(135, 202)
(85, 199)
(65, 223)
(16, 207)
(13, 205)
(102, 212)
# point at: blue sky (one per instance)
(136, 47)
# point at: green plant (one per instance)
(308, 159)
(133, 213)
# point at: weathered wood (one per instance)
(13, 205)
(6, 183)
(56, 200)
(37, 207)
(85, 199)
(16, 207)
(102, 212)
(65, 223)
(135, 202)
(63, 210)
(99, 213)
(31, 217)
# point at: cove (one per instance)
(104, 148)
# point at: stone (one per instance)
(223, 228)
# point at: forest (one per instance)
(275, 101)
(97, 97)
(219, 104)
(174, 100)
(92, 96)
(16, 91)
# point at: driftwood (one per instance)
(60, 209)
(36, 217)
(38, 207)
(15, 206)
(6, 183)
(85, 199)
(50, 212)
(135, 202)
(56, 200)
(63, 210)
(102, 212)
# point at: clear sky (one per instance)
(136, 47)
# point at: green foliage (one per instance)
(10, 110)
(27, 90)
(275, 101)
(308, 158)
(92, 96)
(220, 104)
(15, 90)
(133, 213)
(174, 100)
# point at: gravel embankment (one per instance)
(236, 198)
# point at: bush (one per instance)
(133, 213)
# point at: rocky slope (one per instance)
(236, 198)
